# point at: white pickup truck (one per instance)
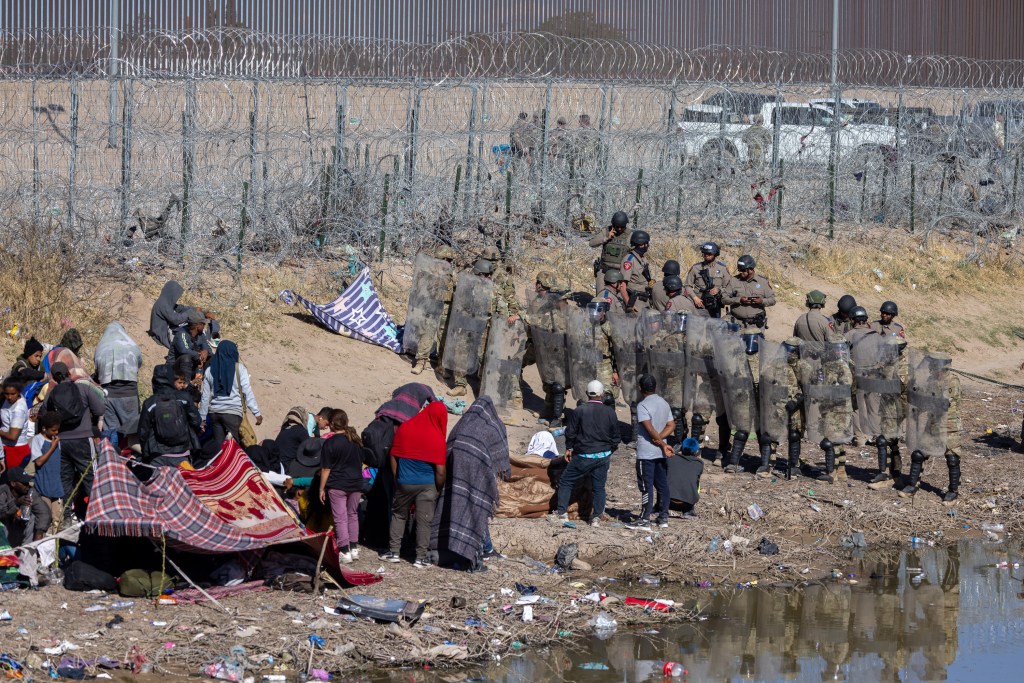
(804, 132)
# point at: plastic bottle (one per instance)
(674, 669)
(649, 580)
(713, 546)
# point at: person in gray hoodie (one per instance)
(225, 386)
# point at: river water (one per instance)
(923, 614)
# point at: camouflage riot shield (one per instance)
(927, 403)
(467, 324)
(876, 361)
(546, 314)
(662, 338)
(503, 361)
(828, 392)
(625, 350)
(736, 381)
(427, 298)
(701, 390)
(778, 382)
(585, 356)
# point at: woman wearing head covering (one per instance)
(167, 314)
(117, 361)
(71, 340)
(225, 386)
(294, 431)
(477, 454)
(417, 464)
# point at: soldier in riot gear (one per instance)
(706, 280)
(662, 338)
(466, 331)
(614, 291)
(813, 325)
(673, 297)
(703, 391)
(614, 246)
(933, 419)
(658, 295)
(739, 391)
(828, 401)
(430, 298)
(637, 272)
(548, 347)
(841, 318)
(590, 349)
(780, 401)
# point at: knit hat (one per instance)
(32, 346)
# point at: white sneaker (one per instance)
(595, 523)
(354, 552)
(345, 558)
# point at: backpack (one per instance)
(377, 439)
(170, 424)
(66, 401)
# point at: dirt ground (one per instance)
(295, 362)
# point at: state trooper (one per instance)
(706, 280)
(841, 318)
(748, 295)
(637, 272)
(614, 246)
(658, 295)
(886, 324)
(614, 291)
(813, 325)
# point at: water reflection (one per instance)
(929, 614)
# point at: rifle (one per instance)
(712, 303)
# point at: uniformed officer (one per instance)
(748, 295)
(554, 394)
(675, 299)
(423, 351)
(614, 247)
(813, 325)
(886, 324)
(859, 330)
(706, 280)
(606, 374)
(781, 375)
(504, 285)
(837, 371)
(637, 272)
(954, 426)
(614, 291)
(841, 318)
(658, 297)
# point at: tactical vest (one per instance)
(614, 251)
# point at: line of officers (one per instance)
(840, 380)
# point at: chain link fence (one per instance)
(243, 152)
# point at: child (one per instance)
(45, 447)
(341, 481)
(323, 422)
(14, 425)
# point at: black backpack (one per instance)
(170, 424)
(377, 439)
(66, 401)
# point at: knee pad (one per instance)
(742, 436)
(825, 444)
(793, 436)
(556, 388)
(918, 456)
(952, 460)
(698, 421)
(881, 442)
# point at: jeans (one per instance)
(651, 477)
(223, 424)
(424, 496)
(579, 467)
(345, 510)
(76, 463)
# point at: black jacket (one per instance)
(288, 441)
(163, 387)
(592, 428)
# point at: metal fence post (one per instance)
(36, 209)
(187, 162)
(414, 125)
(602, 150)
(253, 123)
(73, 153)
(243, 223)
(776, 131)
(480, 178)
(126, 153)
(469, 153)
(544, 143)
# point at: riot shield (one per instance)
(547, 317)
(426, 303)
(701, 390)
(503, 361)
(778, 379)
(827, 382)
(584, 351)
(467, 324)
(876, 370)
(662, 338)
(927, 403)
(625, 350)
(736, 380)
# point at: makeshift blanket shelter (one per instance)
(358, 313)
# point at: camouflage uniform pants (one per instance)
(435, 341)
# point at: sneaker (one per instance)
(595, 523)
(420, 563)
(662, 523)
(345, 558)
(640, 525)
(354, 552)
(492, 555)
(390, 557)
(556, 518)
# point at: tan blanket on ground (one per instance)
(529, 494)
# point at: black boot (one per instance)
(697, 426)
(793, 466)
(680, 419)
(634, 424)
(830, 461)
(766, 456)
(739, 442)
(724, 434)
(883, 455)
(557, 405)
(953, 462)
(895, 460)
(917, 459)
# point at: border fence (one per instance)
(251, 148)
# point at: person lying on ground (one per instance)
(169, 421)
(15, 499)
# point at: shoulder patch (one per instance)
(627, 264)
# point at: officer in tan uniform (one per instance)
(614, 246)
(675, 298)
(658, 296)
(637, 272)
(423, 351)
(813, 325)
(614, 291)
(707, 279)
(748, 295)
(841, 318)
(886, 324)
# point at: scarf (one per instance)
(541, 443)
(477, 455)
(164, 310)
(117, 357)
(406, 401)
(423, 437)
(222, 368)
(296, 416)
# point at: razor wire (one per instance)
(227, 149)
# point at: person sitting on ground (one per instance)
(294, 430)
(225, 386)
(45, 458)
(542, 444)
(323, 422)
(27, 366)
(477, 457)
(117, 360)
(591, 437)
(341, 483)
(265, 457)
(189, 341)
(15, 428)
(169, 422)
(418, 466)
(14, 496)
(684, 472)
(72, 340)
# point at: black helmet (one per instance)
(846, 303)
(710, 248)
(620, 220)
(859, 314)
(746, 262)
(638, 238)
(670, 268)
(672, 283)
(889, 307)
